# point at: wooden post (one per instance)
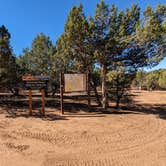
(61, 93)
(30, 102)
(88, 90)
(43, 101)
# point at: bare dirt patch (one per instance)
(134, 136)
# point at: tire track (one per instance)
(100, 162)
(149, 132)
(97, 147)
(18, 148)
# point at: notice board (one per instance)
(75, 82)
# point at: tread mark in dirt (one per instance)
(18, 148)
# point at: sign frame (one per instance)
(34, 80)
(62, 89)
(84, 76)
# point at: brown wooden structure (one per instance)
(36, 83)
(73, 83)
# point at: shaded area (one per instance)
(74, 106)
(156, 109)
(16, 113)
(19, 107)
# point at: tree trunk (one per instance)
(104, 93)
(117, 103)
(92, 84)
(117, 92)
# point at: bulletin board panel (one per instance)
(75, 82)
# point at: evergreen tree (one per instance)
(100, 25)
(74, 42)
(74, 46)
(162, 79)
(119, 82)
(112, 33)
(8, 67)
(151, 36)
(38, 59)
(42, 50)
(139, 80)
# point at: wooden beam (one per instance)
(43, 101)
(30, 102)
(88, 89)
(61, 93)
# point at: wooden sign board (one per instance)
(35, 78)
(35, 85)
(75, 82)
(35, 82)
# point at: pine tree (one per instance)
(119, 80)
(8, 67)
(112, 33)
(5, 52)
(38, 59)
(74, 42)
(75, 47)
(162, 79)
(42, 49)
(100, 25)
(151, 36)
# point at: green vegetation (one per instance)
(111, 45)
(8, 67)
(153, 80)
(118, 84)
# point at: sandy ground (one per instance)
(127, 138)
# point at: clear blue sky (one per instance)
(26, 18)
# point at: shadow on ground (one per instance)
(74, 107)
(16, 107)
(156, 109)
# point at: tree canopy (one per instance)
(152, 80)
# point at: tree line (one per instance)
(112, 45)
(152, 80)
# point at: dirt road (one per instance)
(127, 138)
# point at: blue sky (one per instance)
(27, 18)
